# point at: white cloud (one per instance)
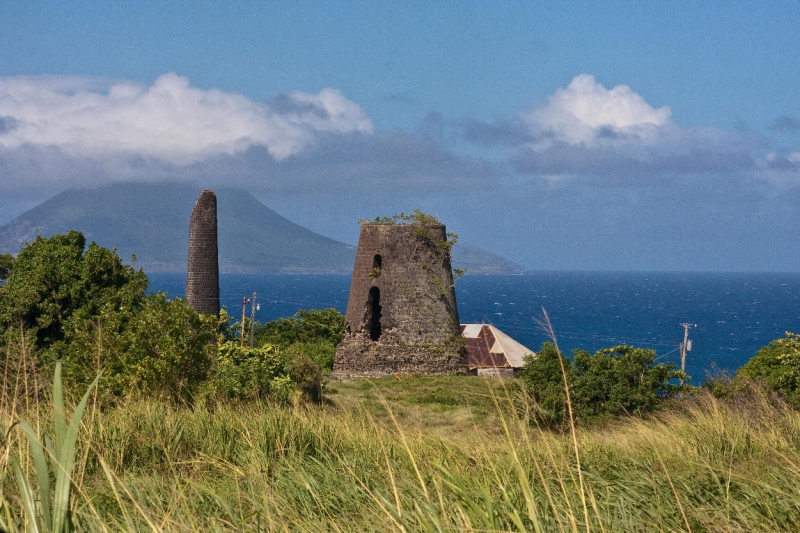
(586, 113)
(169, 120)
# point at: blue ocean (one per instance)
(735, 313)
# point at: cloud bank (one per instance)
(593, 169)
(169, 120)
(587, 132)
(57, 132)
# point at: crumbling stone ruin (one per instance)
(202, 277)
(401, 315)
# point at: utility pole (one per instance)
(686, 346)
(253, 309)
(245, 301)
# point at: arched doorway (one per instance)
(374, 313)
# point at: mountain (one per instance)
(151, 221)
(479, 261)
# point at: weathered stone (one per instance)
(202, 277)
(401, 315)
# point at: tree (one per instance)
(614, 381)
(56, 290)
(544, 379)
(620, 380)
(779, 365)
(306, 326)
(6, 260)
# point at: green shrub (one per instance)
(304, 371)
(84, 306)
(165, 348)
(89, 310)
(778, 364)
(170, 347)
(719, 383)
(242, 373)
(322, 352)
(620, 380)
(613, 381)
(282, 389)
(306, 326)
(55, 291)
(544, 381)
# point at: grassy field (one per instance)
(426, 454)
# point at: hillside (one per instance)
(479, 261)
(151, 221)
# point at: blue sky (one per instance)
(613, 135)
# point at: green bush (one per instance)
(322, 352)
(778, 364)
(82, 305)
(55, 291)
(304, 371)
(719, 383)
(306, 326)
(622, 380)
(243, 373)
(543, 378)
(166, 348)
(282, 389)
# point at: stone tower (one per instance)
(202, 277)
(401, 315)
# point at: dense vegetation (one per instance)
(310, 333)
(622, 380)
(187, 428)
(776, 366)
(64, 300)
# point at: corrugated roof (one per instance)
(488, 347)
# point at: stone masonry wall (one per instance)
(417, 312)
(358, 357)
(202, 277)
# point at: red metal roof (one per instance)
(479, 351)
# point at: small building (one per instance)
(490, 352)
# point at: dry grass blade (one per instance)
(548, 328)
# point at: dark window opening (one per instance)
(374, 310)
(376, 267)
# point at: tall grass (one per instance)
(699, 465)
